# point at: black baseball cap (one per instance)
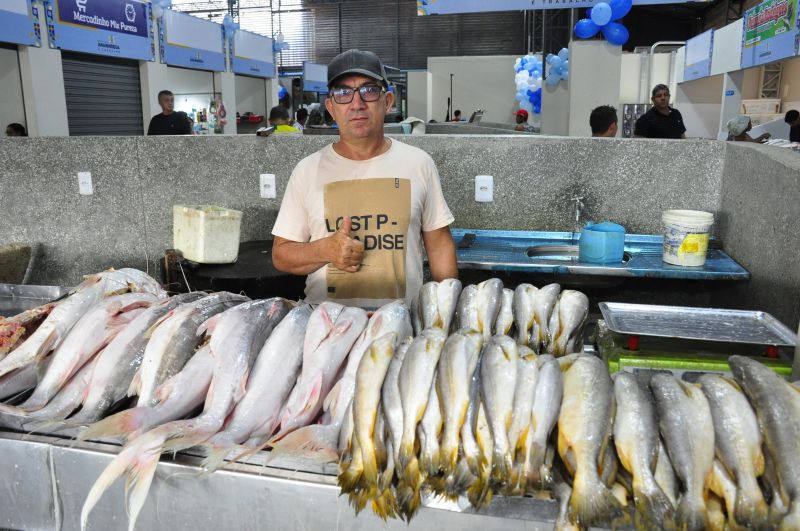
(356, 62)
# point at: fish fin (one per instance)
(138, 483)
(408, 494)
(690, 516)
(149, 332)
(312, 398)
(591, 501)
(460, 480)
(51, 425)
(120, 425)
(208, 326)
(14, 411)
(136, 384)
(333, 396)
(317, 442)
(653, 510)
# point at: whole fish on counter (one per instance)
(636, 440)
(522, 307)
(573, 309)
(499, 381)
(519, 433)
(545, 314)
(587, 410)
(436, 305)
(487, 302)
(505, 316)
(237, 337)
(738, 446)
(173, 339)
(688, 430)
(777, 407)
(544, 414)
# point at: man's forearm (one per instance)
(441, 254)
(299, 258)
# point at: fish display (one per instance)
(475, 392)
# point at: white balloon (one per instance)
(522, 85)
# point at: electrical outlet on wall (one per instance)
(484, 188)
(267, 186)
(85, 183)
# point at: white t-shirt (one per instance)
(390, 198)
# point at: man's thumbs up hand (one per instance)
(346, 252)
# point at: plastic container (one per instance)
(602, 243)
(206, 234)
(686, 235)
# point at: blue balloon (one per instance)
(601, 14)
(586, 29)
(563, 53)
(550, 58)
(552, 80)
(620, 8)
(555, 63)
(589, 12)
(282, 93)
(616, 33)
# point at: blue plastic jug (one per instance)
(602, 243)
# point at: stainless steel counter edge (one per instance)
(45, 481)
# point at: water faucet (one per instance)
(580, 206)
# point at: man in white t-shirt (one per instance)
(356, 214)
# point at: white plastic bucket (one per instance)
(206, 234)
(686, 236)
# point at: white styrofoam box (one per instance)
(206, 234)
(761, 106)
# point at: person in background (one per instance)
(793, 119)
(603, 121)
(456, 116)
(738, 126)
(15, 129)
(661, 121)
(521, 117)
(314, 118)
(279, 119)
(301, 117)
(357, 214)
(169, 122)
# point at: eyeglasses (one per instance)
(368, 93)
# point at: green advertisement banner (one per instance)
(769, 19)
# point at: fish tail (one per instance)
(536, 466)
(448, 459)
(408, 496)
(750, 509)
(122, 424)
(437, 484)
(653, 510)
(216, 457)
(350, 477)
(460, 480)
(383, 504)
(478, 492)
(370, 472)
(690, 515)
(429, 463)
(318, 442)
(140, 459)
(591, 501)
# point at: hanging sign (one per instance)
(698, 56)
(449, 7)
(315, 77)
(770, 32)
(252, 54)
(119, 28)
(19, 23)
(191, 42)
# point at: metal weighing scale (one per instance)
(689, 341)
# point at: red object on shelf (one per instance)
(633, 342)
(772, 351)
(255, 118)
(238, 120)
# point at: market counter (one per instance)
(45, 481)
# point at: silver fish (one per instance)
(414, 381)
(499, 379)
(505, 316)
(544, 414)
(321, 364)
(467, 313)
(471, 463)
(428, 432)
(490, 296)
(437, 303)
(390, 400)
(173, 340)
(428, 305)
(683, 409)
(544, 304)
(587, 410)
(636, 440)
(573, 308)
(456, 365)
(519, 434)
(67, 400)
(777, 407)
(665, 475)
(89, 335)
(738, 442)
(524, 296)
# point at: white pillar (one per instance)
(273, 86)
(43, 87)
(153, 77)
(594, 71)
(225, 83)
(731, 100)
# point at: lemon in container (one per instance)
(206, 234)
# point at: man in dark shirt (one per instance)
(169, 122)
(660, 121)
(793, 119)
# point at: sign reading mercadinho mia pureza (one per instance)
(119, 28)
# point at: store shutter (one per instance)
(104, 95)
